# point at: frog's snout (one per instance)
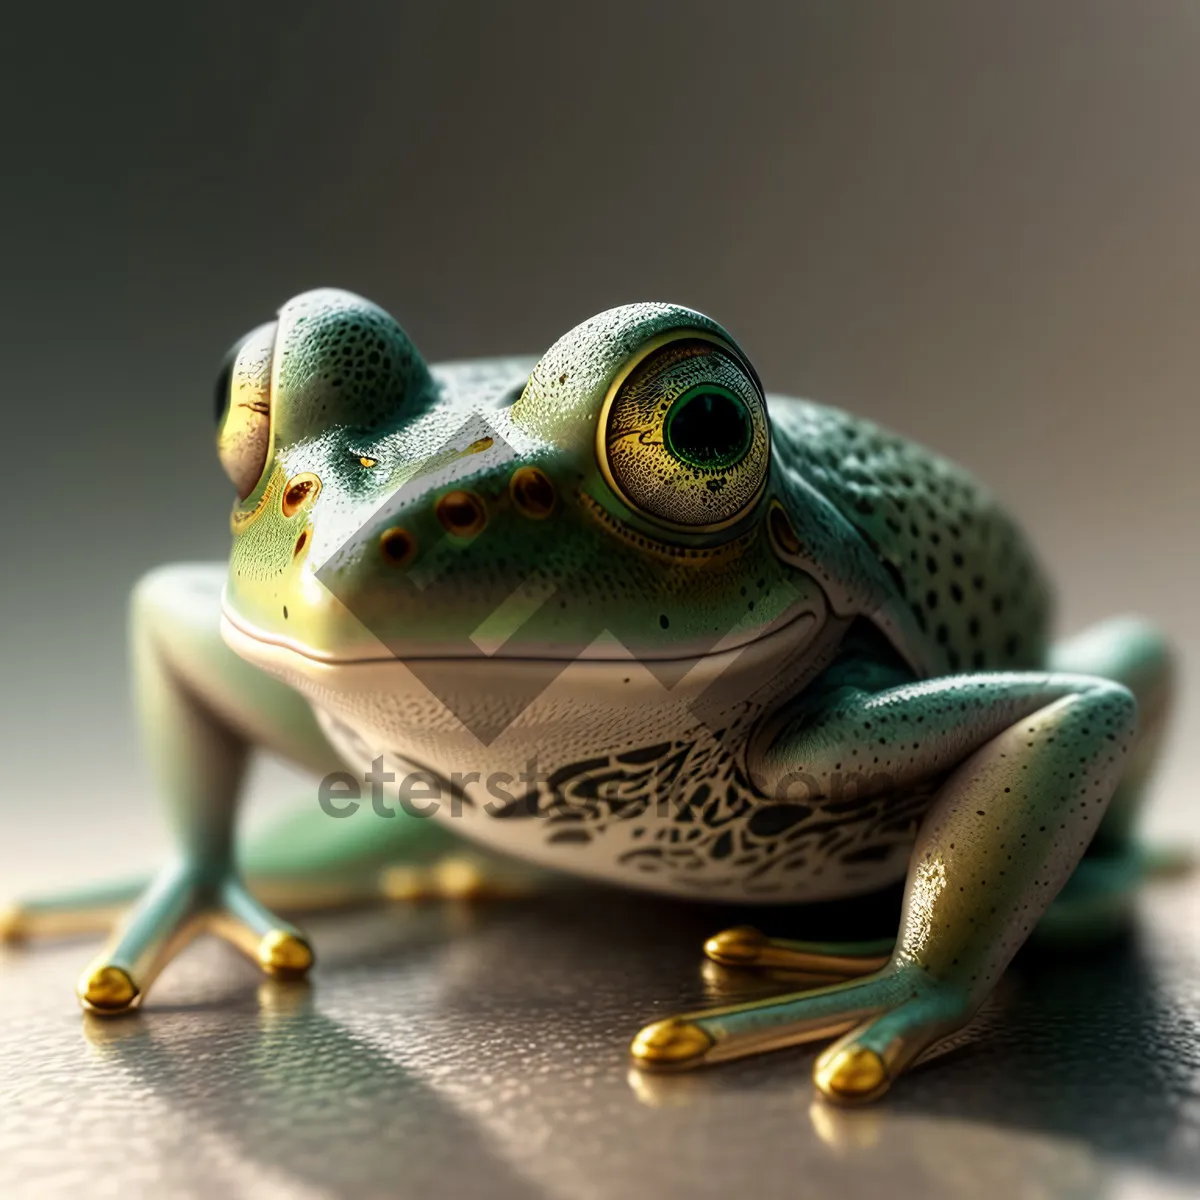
(464, 513)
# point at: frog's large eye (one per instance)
(683, 435)
(243, 402)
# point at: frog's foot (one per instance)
(466, 875)
(745, 948)
(888, 1018)
(178, 906)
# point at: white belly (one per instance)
(609, 772)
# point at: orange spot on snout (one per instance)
(300, 492)
(461, 513)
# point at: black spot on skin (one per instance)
(524, 806)
(663, 621)
(570, 836)
(774, 819)
(869, 854)
(643, 755)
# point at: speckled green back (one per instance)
(959, 560)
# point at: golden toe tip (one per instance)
(851, 1075)
(107, 990)
(403, 883)
(670, 1043)
(284, 955)
(738, 947)
(12, 925)
(458, 879)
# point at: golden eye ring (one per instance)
(644, 431)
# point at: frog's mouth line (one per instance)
(236, 631)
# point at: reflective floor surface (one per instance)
(445, 1050)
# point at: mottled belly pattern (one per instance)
(681, 817)
(698, 826)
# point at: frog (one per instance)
(618, 613)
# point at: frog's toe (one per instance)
(13, 927)
(863, 1064)
(283, 954)
(744, 946)
(893, 1015)
(107, 990)
(851, 1075)
(177, 906)
(672, 1043)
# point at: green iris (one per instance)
(709, 427)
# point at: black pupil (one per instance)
(710, 428)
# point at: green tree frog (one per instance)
(619, 613)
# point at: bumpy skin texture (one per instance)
(759, 648)
(954, 555)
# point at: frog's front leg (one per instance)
(201, 708)
(1025, 766)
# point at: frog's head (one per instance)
(386, 509)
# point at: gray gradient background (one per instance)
(977, 223)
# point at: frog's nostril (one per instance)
(461, 513)
(782, 534)
(397, 546)
(532, 492)
(301, 542)
(300, 490)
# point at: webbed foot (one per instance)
(177, 907)
(888, 1017)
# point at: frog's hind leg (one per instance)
(1131, 652)
(1025, 764)
(1097, 900)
